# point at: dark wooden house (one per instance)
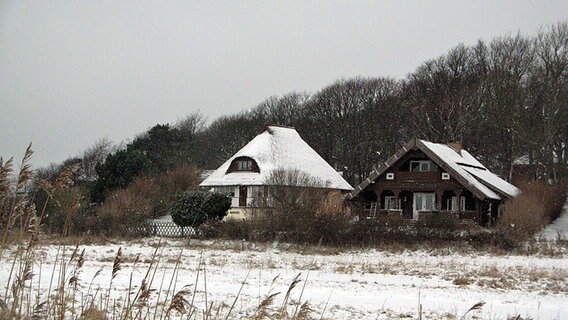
(425, 179)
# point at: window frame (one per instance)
(423, 166)
(243, 164)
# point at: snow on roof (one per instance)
(464, 164)
(278, 148)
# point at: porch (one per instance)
(420, 204)
(369, 214)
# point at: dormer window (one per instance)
(423, 166)
(246, 164)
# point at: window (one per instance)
(390, 202)
(424, 201)
(452, 204)
(423, 166)
(244, 165)
(230, 191)
(467, 203)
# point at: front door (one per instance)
(242, 196)
(423, 202)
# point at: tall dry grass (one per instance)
(537, 205)
(19, 216)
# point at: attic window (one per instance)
(423, 166)
(243, 164)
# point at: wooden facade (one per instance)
(415, 184)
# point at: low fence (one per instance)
(163, 229)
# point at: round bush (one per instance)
(193, 208)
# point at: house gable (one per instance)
(447, 160)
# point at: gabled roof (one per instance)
(278, 148)
(461, 166)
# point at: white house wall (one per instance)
(233, 191)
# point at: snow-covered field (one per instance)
(558, 229)
(349, 284)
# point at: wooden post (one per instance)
(396, 198)
(458, 194)
(479, 210)
(378, 192)
(439, 194)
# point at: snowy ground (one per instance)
(558, 229)
(365, 284)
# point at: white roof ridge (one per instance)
(275, 148)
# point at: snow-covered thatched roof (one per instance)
(278, 148)
(460, 164)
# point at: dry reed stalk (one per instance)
(73, 281)
(116, 267)
(237, 296)
(300, 298)
(27, 259)
(196, 282)
(126, 310)
(476, 306)
(326, 304)
(18, 285)
(39, 311)
(263, 308)
(205, 286)
(179, 301)
(91, 304)
(174, 274)
(60, 297)
(18, 203)
(6, 172)
(25, 175)
(293, 284)
(143, 294)
(49, 306)
(304, 313)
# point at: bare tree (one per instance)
(549, 90)
(192, 124)
(93, 155)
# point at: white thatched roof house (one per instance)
(244, 176)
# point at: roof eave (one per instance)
(382, 167)
(473, 189)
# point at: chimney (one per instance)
(456, 145)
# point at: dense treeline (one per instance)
(506, 100)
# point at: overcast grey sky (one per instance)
(72, 72)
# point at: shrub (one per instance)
(59, 211)
(523, 216)
(146, 197)
(210, 229)
(193, 208)
(299, 209)
(552, 196)
(122, 211)
(234, 229)
(439, 226)
(216, 205)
